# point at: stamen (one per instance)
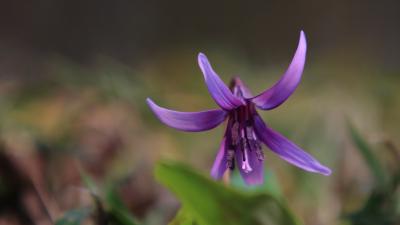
(245, 164)
(254, 143)
(243, 134)
(244, 146)
(243, 138)
(235, 134)
(259, 153)
(229, 159)
(254, 136)
(250, 133)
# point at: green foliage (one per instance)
(109, 210)
(370, 159)
(88, 182)
(183, 217)
(117, 212)
(210, 203)
(381, 206)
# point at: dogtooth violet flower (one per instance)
(245, 128)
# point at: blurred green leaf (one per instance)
(381, 204)
(371, 160)
(74, 217)
(117, 211)
(88, 181)
(183, 218)
(380, 208)
(211, 203)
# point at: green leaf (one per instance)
(74, 217)
(211, 203)
(88, 181)
(117, 211)
(371, 160)
(183, 218)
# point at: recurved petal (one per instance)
(217, 88)
(188, 121)
(287, 150)
(278, 93)
(238, 85)
(219, 166)
(256, 175)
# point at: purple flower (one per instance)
(241, 144)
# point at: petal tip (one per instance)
(303, 40)
(150, 103)
(321, 169)
(280, 92)
(203, 62)
(326, 172)
(202, 58)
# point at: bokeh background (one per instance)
(74, 76)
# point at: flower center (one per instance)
(241, 137)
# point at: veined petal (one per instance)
(286, 149)
(276, 95)
(219, 166)
(188, 121)
(217, 88)
(256, 175)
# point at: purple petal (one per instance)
(276, 95)
(256, 176)
(239, 85)
(218, 90)
(286, 149)
(188, 121)
(219, 166)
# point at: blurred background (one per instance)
(74, 76)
